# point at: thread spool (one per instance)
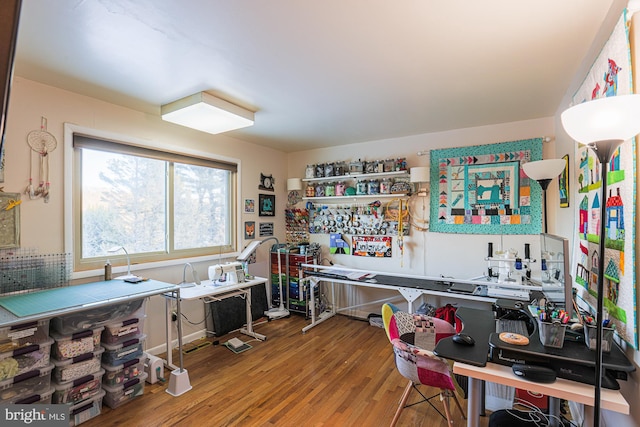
(107, 270)
(490, 250)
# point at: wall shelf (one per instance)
(362, 196)
(359, 176)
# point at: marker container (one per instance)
(591, 335)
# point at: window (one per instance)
(158, 205)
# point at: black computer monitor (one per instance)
(555, 266)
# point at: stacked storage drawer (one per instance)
(123, 360)
(85, 410)
(123, 393)
(25, 359)
(71, 323)
(296, 296)
(34, 382)
(25, 363)
(275, 281)
(114, 336)
(81, 343)
(77, 374)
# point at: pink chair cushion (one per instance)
(417, 364)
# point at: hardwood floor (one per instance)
(340, 373)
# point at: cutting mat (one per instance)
(30, 304)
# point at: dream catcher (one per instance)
(43, 143)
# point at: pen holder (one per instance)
(591, 334)
(551, 333)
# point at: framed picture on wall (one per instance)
(563, 183)
(249, 230)
(266, 204)
(249, 206)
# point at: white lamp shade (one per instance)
(611, 118)
(207, 113)
(420, 174)
(294, 184)
(544, 169)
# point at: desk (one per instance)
(560, 388)
(409, 286)
(468, 362)
(212, 291)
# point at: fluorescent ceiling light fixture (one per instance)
(203, 111)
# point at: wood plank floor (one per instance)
(340, 373)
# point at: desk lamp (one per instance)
(128, 275)
(543, 171)
(602, 124)
(273, 313)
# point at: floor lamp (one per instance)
(602, 125)
(543, 171)
(276, 312)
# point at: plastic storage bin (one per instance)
(117, 374)
(17, 336)
(25, 359)
(121, 331)
(87, 409)
(30, 383)
(72, 345)
(78, 367)
(115, 354)
(78, 390)
(591, 335)
(117, 395)
(99, 316)
(38, 398)
(551, 333)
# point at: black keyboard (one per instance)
(515, 326)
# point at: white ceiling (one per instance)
(318, 73)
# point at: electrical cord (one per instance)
(534, 415)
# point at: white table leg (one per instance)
(249, 329)
(169, 359)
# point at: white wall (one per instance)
(42, 224)
(428, 253)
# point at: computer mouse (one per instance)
(463, 339)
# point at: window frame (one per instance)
(72, 210)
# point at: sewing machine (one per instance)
(232, 270)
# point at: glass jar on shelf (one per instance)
(340, 188)
(385, 186)
(320, 190)
(328, 170)
(330, 189)
(373, 187)
(310, 171)
(389, 165)
(320, 170)
(310, 190)
(361, 187)
(370, 166)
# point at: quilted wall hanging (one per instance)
(482, 189)
(610, 75)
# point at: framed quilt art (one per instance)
(483, 190)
